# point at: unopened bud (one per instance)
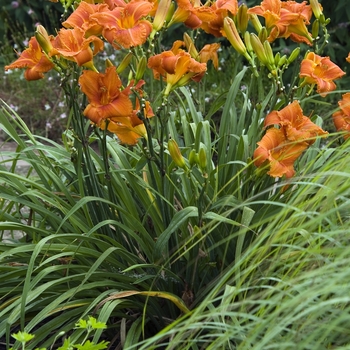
(263, 34)
(242, 18)
(193, 158)
(269, 54)
(125, 62)
(234, 38)
(202, 159)
(140, 70)
(190, 46)
(316, 8)
(109, 63)
(258, 49)
(161, 15)
(175, 154)
(294, 55)
(315, 28)
(282, 61)
(277, 58)
(254, 19)
(247, 42)
(43, 39)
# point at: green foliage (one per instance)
(181, 244)
(89, 326)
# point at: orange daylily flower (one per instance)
(127, 134)
(284, 19)
(106, 98)
(73, 46)
(33, 60)
(81, 18)
(321, 71)
(221, 10)
(341, 118)
(176, 66)
(123, 27)
(280, 153)
(210, 52)
(294, 124)
(110, 107)
(192, 13)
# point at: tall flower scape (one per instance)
(172, 157)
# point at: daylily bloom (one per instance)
(210, 52)
(221, 10)
(294, 124)
(284, 19)
(73, 46)
(110, 107)
(192, 13)
(81, 18)
(127, 134)
(33, 60)
(106, 97)
(321, 71)
(124, 27)
(341, 118)
(176, 66)
(280, 153)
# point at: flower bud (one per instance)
(282, 61)
(190, 46)
(258, 49)
(247, 42)
(140, 70)
(125, 62)
(234, 38)
(160, 16)
(316, 8)
(315, 28)
(294, 55)
(202, 159)
(263, 34)
(109, 63)
(242, 18)
(269, 54)
(43, 39)
(254, 19)
(193, 158)
(277, 58)
(176, 155)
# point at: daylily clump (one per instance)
(119, 105)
